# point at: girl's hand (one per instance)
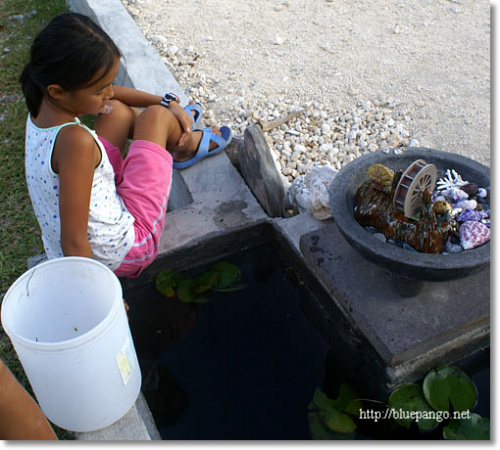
(185, 119)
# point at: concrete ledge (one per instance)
(137, 424)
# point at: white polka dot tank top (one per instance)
(110, 229)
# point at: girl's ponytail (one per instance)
(32, 92)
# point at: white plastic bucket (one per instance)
(67, 322)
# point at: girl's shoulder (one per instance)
(75, 143)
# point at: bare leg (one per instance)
(118, 125)
(157, 124)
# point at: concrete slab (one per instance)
(400, 329)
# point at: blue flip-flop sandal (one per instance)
(196, 111)
(204, 146)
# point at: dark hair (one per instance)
(68, 52)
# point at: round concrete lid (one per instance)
(406, 263)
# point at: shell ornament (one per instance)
(410, 207)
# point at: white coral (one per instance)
(451, 180)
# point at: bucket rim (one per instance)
(66, 344)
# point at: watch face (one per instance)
(171, 97)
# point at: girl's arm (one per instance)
(140, 99)
(135, 98)
(74, 158)
(20, 416)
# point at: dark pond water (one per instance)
(243, 366)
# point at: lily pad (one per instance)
(347, 401)
(473, 427)
(205, 281)
(228, 274)
(407, 404)
(319, 431)
(167, 281)
(449, 386)
(185, 291)
(330, 415)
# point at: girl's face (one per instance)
(91, 99)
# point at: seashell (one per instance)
(467, 204)
(454, 194)
(442, 207)
(470, 215)
(482, 193)
(473, 234)
(485, 214)
(381, 175)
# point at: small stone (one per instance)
(172, 50)
(380, 237)
(453, 248)
(470, 188)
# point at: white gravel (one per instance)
(365, 74)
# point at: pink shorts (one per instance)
(143, 180)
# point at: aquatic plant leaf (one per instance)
(185, 291)
(229, 273)
(474, 427)
(333, 418)
(321, 432)
(205, 281)
(408, 401)
(449, 386)
(166, 282)
(337, 420)
(347, 400)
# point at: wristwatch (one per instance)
(167, 98)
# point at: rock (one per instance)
(380, 237)
(310, 192)
(260, 172)
(470, 188)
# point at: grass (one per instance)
(20, 21)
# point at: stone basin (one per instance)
(405, 263)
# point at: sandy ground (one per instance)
(430, 56)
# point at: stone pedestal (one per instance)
(444, 322)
